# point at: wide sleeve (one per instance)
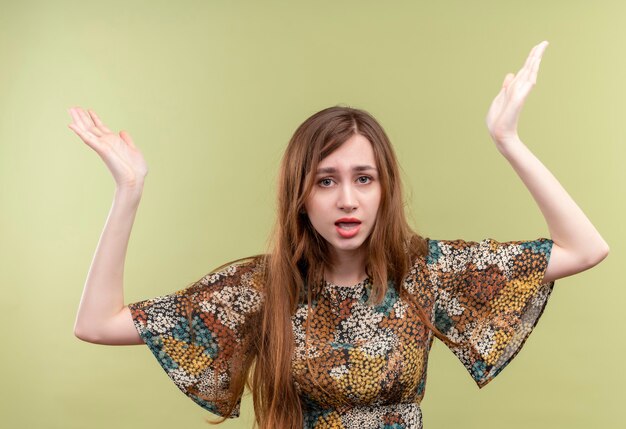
(200, 335)
(489, 296)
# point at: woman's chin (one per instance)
(353, 246)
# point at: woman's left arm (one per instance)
(577, 244)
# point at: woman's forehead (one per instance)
(355, 153)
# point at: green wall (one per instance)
(211, 91)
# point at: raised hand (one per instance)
(118, 151)
(505, 109)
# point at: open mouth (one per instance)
(348, 227)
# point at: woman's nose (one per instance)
(347, 199)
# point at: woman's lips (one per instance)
(348, 229)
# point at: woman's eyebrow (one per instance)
(329, 170)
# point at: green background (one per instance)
(211, 92)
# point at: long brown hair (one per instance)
(294, 267)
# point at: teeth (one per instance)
(350, 225)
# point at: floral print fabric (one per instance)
(368, 362)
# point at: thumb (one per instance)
(127, 139)
(507, 80)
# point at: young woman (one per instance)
(332, 327)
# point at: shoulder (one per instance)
(444, 252)
(444, 255)
(488, 254)
(248, 266)
(248, 272)
(435, 250)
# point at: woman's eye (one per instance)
(364, 179)
(326, 182)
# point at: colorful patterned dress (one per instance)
(369, 361)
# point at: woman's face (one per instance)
(343, 203)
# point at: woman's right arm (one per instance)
(102, 316)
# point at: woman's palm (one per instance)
(118, 151)
(503, 115)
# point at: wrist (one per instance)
(511, 149)
(128, 192)
(505, 145)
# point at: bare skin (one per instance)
(102, 316)
(577, 244)
(104, 319)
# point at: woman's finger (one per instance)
(91, 126)
(97, 131)
(535, 66)
(85, 118)
(536, 54)
(523, 72)
(541, 48)
(529, 58)
(537, 51)
(530, 73)
(507, 80)
(126, 137)
(535, 71)
(98, 121)
(78, 121)
(86, 136)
